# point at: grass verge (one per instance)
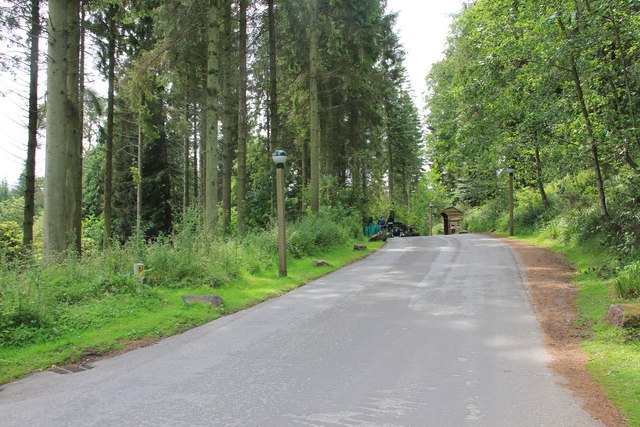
(614, 354)
(118, 320)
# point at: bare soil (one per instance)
(553, 295)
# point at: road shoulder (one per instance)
(553, 296)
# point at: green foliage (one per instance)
(628, 281)
(624, 224)
(575, 220)
(161, 93)
(575, 191)
(92, 234)
(23, 312)
(37, 302)
(4, 190)
(41, 302)
(12, 209)
(93, 180)
(210, 266)
(51, 312)
(491, 216)
(572, 217)
(528, 84)
(10, 241)
(314, 234)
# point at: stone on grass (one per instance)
(623, 316)
(213, 300)
(379, 236)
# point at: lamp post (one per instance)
(430, 218)
(279, 158)
(511, 170)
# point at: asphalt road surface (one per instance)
(429, 331)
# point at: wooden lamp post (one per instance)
(279, 158)
(430, 218)
(511, 170)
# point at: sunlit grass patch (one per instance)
(96, 323)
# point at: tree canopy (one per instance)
(185, 125)
(550, 87)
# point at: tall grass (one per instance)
(627, 283)
(42, 301)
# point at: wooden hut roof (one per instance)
(451, 212)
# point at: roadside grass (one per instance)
(112, 322)
(614, 355)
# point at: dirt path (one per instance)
(553, 295)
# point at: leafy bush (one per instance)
(487, 217)
(556, 228)
(92, 234)
(118, 284)
(10, 241)
(623, 227)
(529, 210)
(48, 300)
(628, 281)
(23, 310)
(575, 191)
(318, 233)
(583, 224)
(12, 210)
(258, 248)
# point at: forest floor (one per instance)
(553, 295)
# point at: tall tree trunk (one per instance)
(593, 143)
(618, 108)
(55, 212)
(587, 120)
(539, 180)
(81, 93)
(314, 147)
(273, 143)
(227, 118)
(186, 161)
(356, 176)
(213, 93)
(32, 144)
(305, 174)
(364, 200)
(242, 115)
(138, 182)
(196, 193)
(202, 150)
(108, 169)
(74, 132)
(331, 152)
(390, 170)
(274, 124)
(356, 156)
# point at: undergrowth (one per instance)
(44, 303)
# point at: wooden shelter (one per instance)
(452, 220)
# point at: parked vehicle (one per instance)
(399, 229)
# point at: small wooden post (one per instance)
(138, 268)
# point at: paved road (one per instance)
(432, 331)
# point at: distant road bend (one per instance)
(429, 331)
